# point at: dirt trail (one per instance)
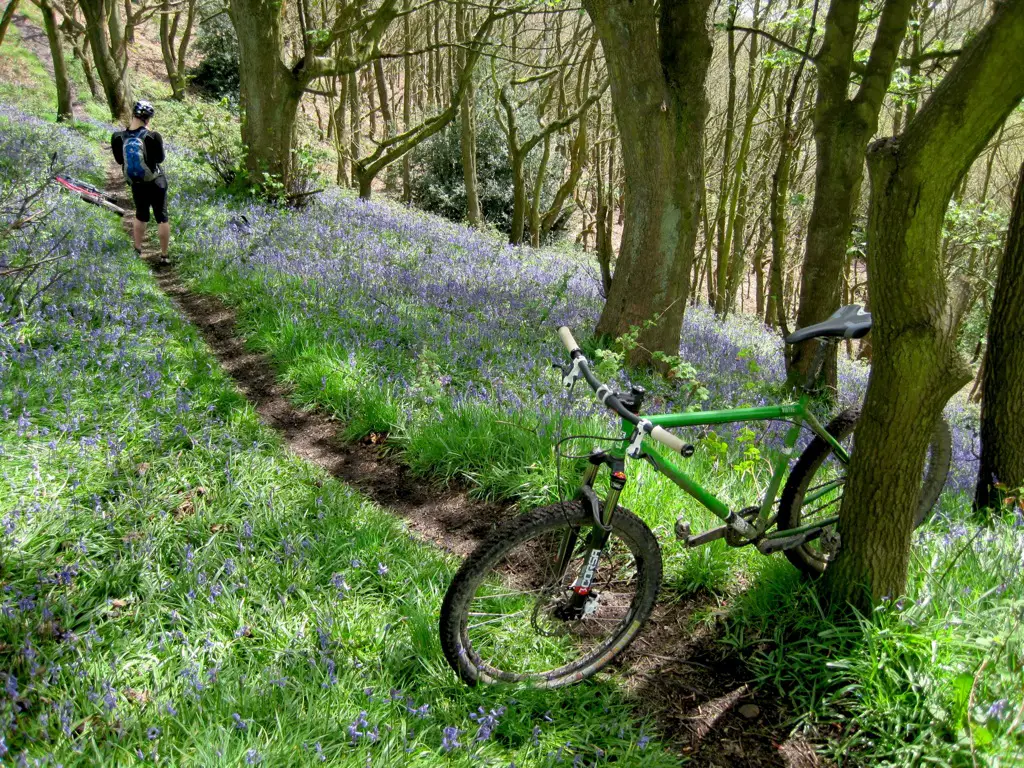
(699, 695)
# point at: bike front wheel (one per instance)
(814, 490)
(507, 618)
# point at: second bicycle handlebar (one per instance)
(608, 398)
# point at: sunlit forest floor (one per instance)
(176, 586)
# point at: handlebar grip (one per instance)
(566, 336)
(667, 439)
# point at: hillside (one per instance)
(204, 559)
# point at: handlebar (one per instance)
(608, 398)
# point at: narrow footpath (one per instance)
(700, 695)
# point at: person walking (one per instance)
(139, 151)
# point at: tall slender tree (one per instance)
(843, 125)
(5, 20)
(61, 80)
(175, 35)
(467, 135)
(111, 68)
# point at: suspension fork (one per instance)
(599, 533)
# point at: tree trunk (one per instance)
(80, 50)
(175, 51)
(115, 84)
(270, 94)
(467, 137)
(658, 68)
(723, 249)
(1002, 393)
(5, 21)
(518, 199)
(382, 95)
(129, 25)
(60, 67)
(341, 128)
(842, 128)
(916, 366)
(355, 126)
(407, 104)
(538, 189)
(167, 48)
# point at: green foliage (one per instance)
(929, 679)
(684, 375)
(215, 140)
(217, 74)
(438, 184)
(974, 235)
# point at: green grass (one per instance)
(872, 690)
(917, 683)
(204, 570)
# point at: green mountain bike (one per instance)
(553, 596)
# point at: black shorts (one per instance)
(150, 194)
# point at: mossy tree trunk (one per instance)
(112, 76)
(1002, 389)
(916, 366)
(272, 86)
(843, 125)
(5, 20)
(65, 98)
(173, 47)
(657, 62)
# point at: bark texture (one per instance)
(657, 62)
(5, 20)
(65, 98)
(98, 22)
(916, 365)
(270, 93)
(1002, 398)
(842, 128)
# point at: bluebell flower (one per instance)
(450, 738)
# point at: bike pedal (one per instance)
(682, 529)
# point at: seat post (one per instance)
(816, 365)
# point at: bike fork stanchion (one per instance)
(598, 539)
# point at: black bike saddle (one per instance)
(849, 322)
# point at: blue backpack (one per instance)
(136, 167)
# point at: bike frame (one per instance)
(798, 414)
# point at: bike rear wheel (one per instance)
(504, 617)
(814, 490)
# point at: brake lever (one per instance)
(570, 373)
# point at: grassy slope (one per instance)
(175, 585)
(922, 681)
(934, 678)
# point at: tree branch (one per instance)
(777, 40)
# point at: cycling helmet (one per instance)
(143, 110)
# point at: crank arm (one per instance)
(707, 536)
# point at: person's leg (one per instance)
(141, 215)
(138, 233)
(165, 236)
(159, 199)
